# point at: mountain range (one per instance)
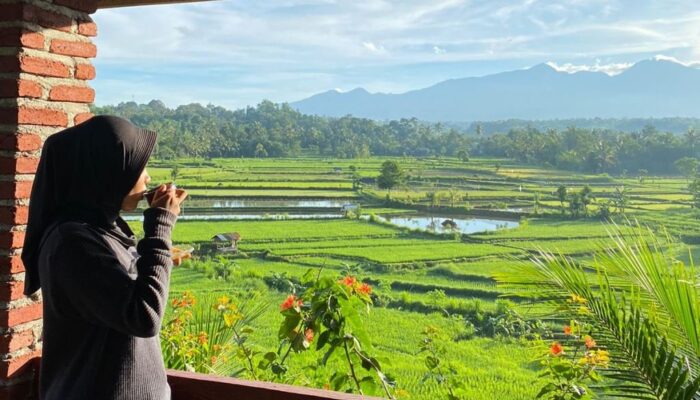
(650, 88)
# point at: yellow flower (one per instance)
(231, 318)
(578, 299)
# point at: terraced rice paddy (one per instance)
(421, 274)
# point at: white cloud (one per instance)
(296, 46)
(610, 69)
(373, 48)
(661, 57)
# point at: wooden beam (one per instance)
(130, 3)
(190, 385)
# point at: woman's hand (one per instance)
(169, 198)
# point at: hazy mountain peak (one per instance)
(542, 67)
(658, 87)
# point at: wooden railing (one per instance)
(194, 386)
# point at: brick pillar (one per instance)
(45, 52)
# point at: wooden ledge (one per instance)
(194, 386)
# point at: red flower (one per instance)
(309, 334)
(556, 349)
(590, 343)
(349, 281)
(288, 303)
(364, 289)
(567, 330)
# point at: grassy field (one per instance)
(420, 276)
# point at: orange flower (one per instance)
(309, 334)
(349, 281)
(556, 349)
(590, 343)
(288, 303)
(567, 330)
(202, 338)
(364, 289)
(213, 359)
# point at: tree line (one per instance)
(277, 130)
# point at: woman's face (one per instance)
(132, 199)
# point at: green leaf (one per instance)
(369, 385)
(323, 339)
(338, 380)
(432, 362)
(270, 356)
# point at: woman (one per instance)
(104, 293)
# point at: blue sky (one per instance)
(236, 53)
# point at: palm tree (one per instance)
(691, 138)
(643, 305)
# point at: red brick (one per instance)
(19, 88)
(75, 94)
(29, 89)
(16, 190)
(25, 390)
(82, 117)
(17, 366)
(69, 48)
(42, 66)
(11, 265)
(14, 215)
(20, 142)
(88, 6)
(16, 316)
(85, 72)
(14, 341)
(12, 240)
(33, 116)
(21, 165)
(16, 37)
(9, 291)
(87, 28)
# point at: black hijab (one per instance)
(84, 174)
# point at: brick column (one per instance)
(45, 52)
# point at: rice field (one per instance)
(421, 275)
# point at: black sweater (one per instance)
(103, 307)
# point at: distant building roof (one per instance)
(227, 237)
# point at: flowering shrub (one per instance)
(206, 336)
(570, 367)
(326, 314)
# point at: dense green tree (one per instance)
(561, 195)
(194, 130)
(390, 175)
(687, 166)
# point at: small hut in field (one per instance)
(227, 241)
